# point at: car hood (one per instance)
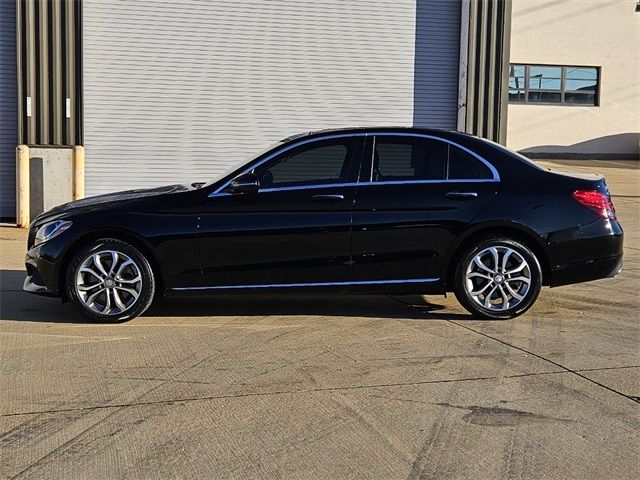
(110, 199)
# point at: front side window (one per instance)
(323, 162)
(418, 159)
(547, 84)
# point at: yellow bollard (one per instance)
(78, 172)
(22, 186)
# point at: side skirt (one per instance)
(417, 285)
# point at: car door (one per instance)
(295, 230)
(416, 194)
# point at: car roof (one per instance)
(387, 129)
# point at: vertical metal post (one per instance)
(488, 68)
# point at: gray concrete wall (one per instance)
(50, 178)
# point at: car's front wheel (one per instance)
(498, 278)
(110, 280)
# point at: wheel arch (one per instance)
(512, 230)
(117, 234)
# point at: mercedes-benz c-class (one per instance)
(384, 210)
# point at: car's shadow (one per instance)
(20, 306)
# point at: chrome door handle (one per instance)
(328, 197)
(461, 195)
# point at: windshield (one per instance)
(237, 165)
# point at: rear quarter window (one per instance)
(464, 166)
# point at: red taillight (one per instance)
(596, 201)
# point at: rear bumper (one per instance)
(586, 271)
(591, 252)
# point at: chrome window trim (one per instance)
(368, 184)
(285, 149)
(313, 284)
(309, 187)
(494, 172)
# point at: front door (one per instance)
(417, 194)
(295, 230)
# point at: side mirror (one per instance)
(245, 183)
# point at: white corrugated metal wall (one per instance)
(8, 109)
(175, 91)
(437, 63)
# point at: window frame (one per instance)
(563, 82)
(374, 145)
(365, 162)
(366, 174)
(348, 166)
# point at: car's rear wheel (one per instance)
(110, 281)
(498, 278)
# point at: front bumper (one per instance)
(43, 264)
(35, 280)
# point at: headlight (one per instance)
(51, 230)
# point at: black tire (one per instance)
(130, 305)
(502, 281)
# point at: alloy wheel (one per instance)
(498, 278)
(108, 282)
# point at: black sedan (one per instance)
(386, 210)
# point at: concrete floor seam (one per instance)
(280, 392)
(541, 357)
(569, 370)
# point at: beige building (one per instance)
(575, 78)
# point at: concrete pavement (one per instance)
(328, 387)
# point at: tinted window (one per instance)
(464, 166)
(326, 162)
(408, 159)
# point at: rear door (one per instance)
(416, 194)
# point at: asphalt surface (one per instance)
(328, 387)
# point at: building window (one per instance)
(553, 85)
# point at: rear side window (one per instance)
(464, 166)
(402, 158)
(406, 158)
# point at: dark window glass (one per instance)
(319, 164)
(516, 96)
(408, 159)
(464, 166)
(544, 97)
(542, 84)
(579, 98)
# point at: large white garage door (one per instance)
(175, 91)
